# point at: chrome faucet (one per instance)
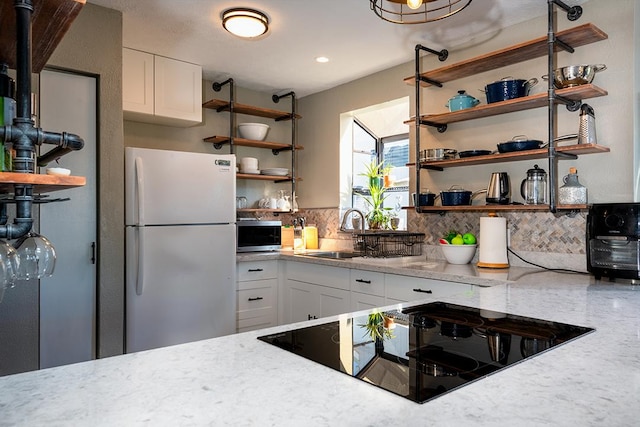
(346, 215)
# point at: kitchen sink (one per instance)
(333, 254)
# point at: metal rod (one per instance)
(294, 119)
(553, 172)
(417, 125)
(232, 117)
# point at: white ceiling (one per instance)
(357, 42)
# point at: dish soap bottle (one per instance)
(572, 192)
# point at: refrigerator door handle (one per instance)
(140, 261)
(139, 190)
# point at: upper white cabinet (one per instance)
(161, 90)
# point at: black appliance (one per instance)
(428, 350)
(257, 236)
(613, 240)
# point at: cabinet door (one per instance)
(332, 301)
(178, 90)
(300, 301)
(137, 83)
(361, 301)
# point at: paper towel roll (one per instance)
(493, 242)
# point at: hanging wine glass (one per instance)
(9, 263)
(37, 257)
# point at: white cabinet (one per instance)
(257, 295)
(405, 288)
(313, 291)
(160, 90)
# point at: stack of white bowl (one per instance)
(249, 165)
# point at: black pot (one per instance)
(508, 88)
(424, 199)
(519, 145)
(455, 197)
(473, 153)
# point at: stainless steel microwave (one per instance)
(256, 236)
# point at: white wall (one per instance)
(609, 177)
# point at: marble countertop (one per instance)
(240, 381)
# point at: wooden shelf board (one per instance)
(538, 100)
(51, 20)
(261, 177)
(218, 139)
(575, 37)
(492, 208)
(42, 183)
(539, 153)
(221, 105)
(251, 210)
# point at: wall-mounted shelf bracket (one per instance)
(564, 45)
(277, 151)
(429, 81)
(217, 87)
(573, 12)
(570, 104)
(441, 128)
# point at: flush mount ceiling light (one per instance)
(245, 23)
(416, 11)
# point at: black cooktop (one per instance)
(424, 351)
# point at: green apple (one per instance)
(458, 240)
(469, 239)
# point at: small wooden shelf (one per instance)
(538, 100)
(51, 20)
(217, 139)
(263, 210)
(492, 208)
(260, 177)
(221, 105)
(574, 37)
(42, 183)
(539, 153)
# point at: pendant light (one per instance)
(416, 11)
(245, 23)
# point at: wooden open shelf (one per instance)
(538, 153)
(42, 183)
(218, 139)
(538, 100)
(221, 105)
(51, 20)
(260, 177)
(263, 210)
(494, 208)
(574, 37)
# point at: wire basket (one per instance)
(388, 244)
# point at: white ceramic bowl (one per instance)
(458, 254)
(58, 171)
(255, 131)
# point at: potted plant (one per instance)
(378, 216)
(378, 326)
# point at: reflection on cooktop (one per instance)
(426, 350)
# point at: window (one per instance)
(364, 146)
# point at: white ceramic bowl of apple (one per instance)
(255, 131)
(458, 254)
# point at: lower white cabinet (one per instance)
(312, 291)
(361, 301)
(405, 288)
(257, 295)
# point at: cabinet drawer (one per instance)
(367, 282)
(256, 295)
(333, 277)
(405, 288)
(256, 270)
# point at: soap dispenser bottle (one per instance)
(572, 192)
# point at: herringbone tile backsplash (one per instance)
(529, 231)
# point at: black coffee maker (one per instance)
(613, 240)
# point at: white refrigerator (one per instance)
(180, 247)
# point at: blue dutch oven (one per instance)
(461, 101)
(508, 88)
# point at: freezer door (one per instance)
(180, 284)
(175, 187)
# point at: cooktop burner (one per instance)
(424, 351)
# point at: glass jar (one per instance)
(572, 192)
(534, 187)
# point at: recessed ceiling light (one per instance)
(322, 59)
(245, 23)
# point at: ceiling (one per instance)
(356, 41)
